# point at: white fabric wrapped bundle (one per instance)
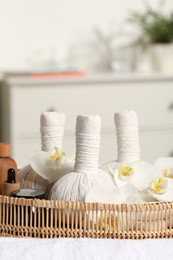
(39, 173)
(129, 168)
(75, 185)
(29, 179)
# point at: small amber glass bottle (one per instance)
(5, 163)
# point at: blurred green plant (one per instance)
(154, 26)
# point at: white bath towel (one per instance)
(85, 249)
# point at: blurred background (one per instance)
(87, 35)
(108, 48)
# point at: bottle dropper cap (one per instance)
(10, 185)
(11, 176)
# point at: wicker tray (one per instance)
(21, 217)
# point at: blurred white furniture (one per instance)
(24, 98)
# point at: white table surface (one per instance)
(85, 249)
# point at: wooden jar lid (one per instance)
(4, 150)
(8, 188)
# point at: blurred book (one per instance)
(61, 74)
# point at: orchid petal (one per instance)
(113, 195)
(165, 197)
(49, 169)
(164, 166)
(143, 175)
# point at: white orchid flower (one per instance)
(52, 165)
(164, 168)
(161, 187)
(139, 173)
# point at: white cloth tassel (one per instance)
(127, 136)
(52, 130)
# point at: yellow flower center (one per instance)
(57, 155)
(159, 185)
(125, 171)
(109, 222)
(167, 172)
